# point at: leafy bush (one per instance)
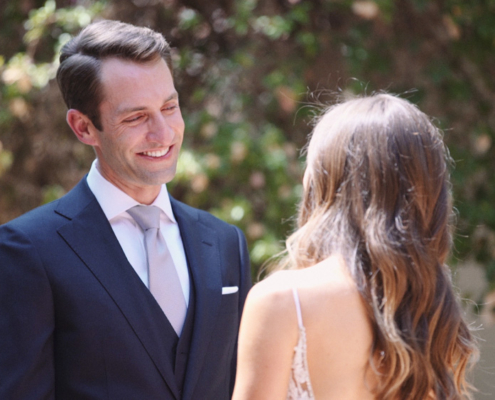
(251, 75)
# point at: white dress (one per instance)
(300, 384)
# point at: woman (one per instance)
(365, 308)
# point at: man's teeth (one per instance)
(156, 153)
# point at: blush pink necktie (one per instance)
(164, 281)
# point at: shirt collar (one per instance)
(114, 201)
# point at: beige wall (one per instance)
(471, 281)
(484, 373)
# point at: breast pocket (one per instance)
(230, 303)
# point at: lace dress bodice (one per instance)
(300, 384)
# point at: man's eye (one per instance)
(170, 107)
(133, 119)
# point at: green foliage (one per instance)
(251, 74)
(52, 192)
(23, 70)
(6, 158)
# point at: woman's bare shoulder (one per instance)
(275, 291)
(330, 276)
(326, 281)
(327, 290)
(269, 312)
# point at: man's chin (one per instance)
(157, 179)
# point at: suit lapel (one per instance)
(202, 252)
(91, 237)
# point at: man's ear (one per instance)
(82, 127)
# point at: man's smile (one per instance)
(156, 153)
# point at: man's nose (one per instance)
(159, 128)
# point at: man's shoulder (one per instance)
(47, 214)
(36, 215)
(36, 227)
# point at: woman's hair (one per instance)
(377, 191)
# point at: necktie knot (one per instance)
(147, 217)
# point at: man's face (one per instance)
(142, 126)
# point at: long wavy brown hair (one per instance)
(377, 191)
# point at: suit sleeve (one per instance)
(245, 273)
(244, 287)
(26, 322)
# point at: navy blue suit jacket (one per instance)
(78, 323)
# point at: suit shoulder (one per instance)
(56, 211)
(33, 218)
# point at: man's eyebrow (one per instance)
(173, 96)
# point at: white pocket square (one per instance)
(230, 289)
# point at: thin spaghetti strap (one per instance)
(298, 307)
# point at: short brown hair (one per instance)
(81, 59)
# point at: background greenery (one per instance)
(251, 74)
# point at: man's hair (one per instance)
(78, 75)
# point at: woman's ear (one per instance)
(82, 127)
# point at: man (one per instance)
(88, 309)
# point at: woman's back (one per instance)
(338, 334)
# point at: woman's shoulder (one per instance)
(273, 293)
(330, 274)
(269, 312)
(324, 281)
